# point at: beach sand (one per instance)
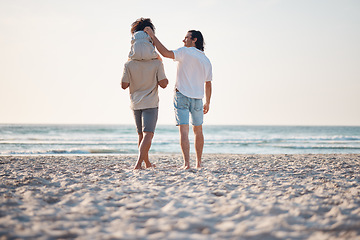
(310, 196)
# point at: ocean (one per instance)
(122, 139)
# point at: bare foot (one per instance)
(185, 167)
(151, 166)
(198, 163)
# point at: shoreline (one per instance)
(234, 196)
(164, 154)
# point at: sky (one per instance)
(275, 62)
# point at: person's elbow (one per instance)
(208, 84)
(163, 83)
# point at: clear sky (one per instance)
(277, 62)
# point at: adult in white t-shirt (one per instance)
(193, 82)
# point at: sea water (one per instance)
(123, 139)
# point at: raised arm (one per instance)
(159, 46)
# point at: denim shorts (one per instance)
(184, 106)
(145, 119)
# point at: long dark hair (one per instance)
(140, 24)
(199, 44)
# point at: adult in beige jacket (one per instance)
(143, 73)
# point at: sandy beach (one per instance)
(310, 196)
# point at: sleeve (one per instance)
(178, 54)
(126, 75)
(161, 72)
(209, 75)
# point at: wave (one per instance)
(64, 142)
(279, 139)
(100, 139)
(71, 151)
(320, 147)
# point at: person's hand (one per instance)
(206, 108)
(149, 31)
(163, 83)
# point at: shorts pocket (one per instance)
(198, 106)
(181, 102)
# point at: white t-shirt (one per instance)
(194, 69)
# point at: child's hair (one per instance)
(140, 24)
